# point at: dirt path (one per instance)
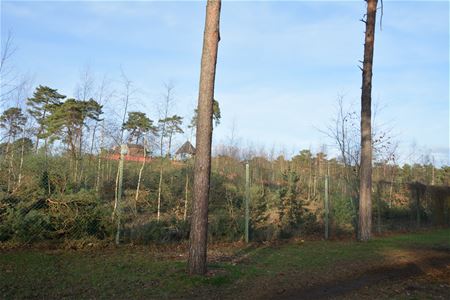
(386, 275)
(409, 274)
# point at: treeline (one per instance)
(55, 185)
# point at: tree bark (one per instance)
(80, 158)
(11, 156)
(186, 194)
(202, 166)
(379, 190)
(365, 184)
(161, 169)
(169, 146)
(99, 160)
(139, 178)
(22, 150)
(327, 206)
(123, 152)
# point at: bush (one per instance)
(343, 212)
(267, 232)
(158, 232)
(31, 227)
(222, 227)
(81, 215)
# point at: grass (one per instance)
(127, 272)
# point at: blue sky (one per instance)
(281, 65)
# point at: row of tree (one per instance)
(288, 197)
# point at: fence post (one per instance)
(327, 208)
(418, 195)
(378, 197)
(123, 152)
(247, 200)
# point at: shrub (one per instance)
(32, 226)
(157, 232)
(343, 212)
(222, 227)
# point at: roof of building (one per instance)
(187, 148)
(133, 149)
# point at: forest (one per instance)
(81, 175)
(61, 183)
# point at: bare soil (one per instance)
(411, 274)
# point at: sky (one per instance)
(281, 65)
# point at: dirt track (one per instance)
(411, 274)
(386, 275)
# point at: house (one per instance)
(186, 151)
(135, 153)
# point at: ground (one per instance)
(400, 266)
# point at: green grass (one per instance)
(129, 273)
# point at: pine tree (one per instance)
(216, 115)
(138, 124)
(66, 122)
(44, 100)
(365, 183)
(202, 166)
(172, 126)
(290, 205)
(12, 121)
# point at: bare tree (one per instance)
(365, 183)
(344, 130)
(103, 95)
(83, 91)
(23, 92)
(164, 111)
(164, 108)
(85, 87)
(202, 165)
(7, 76)
(140, 175)
(127, 85)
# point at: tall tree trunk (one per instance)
(432, 174)
(49, 189)
(40, 130)
(170, 145)
(91, 150)
(202, 167)
(327, 204)
(309, 181)
(123, 152)
(99, 161)
(127, 84)
(37, 143)
(379, 191)
(80, 158)
(186, 194)
(116, 191)
(99, 170)
(247, 200)
(391, 186)
(365, 184)
(22, 151)
(161, 169)
(139, 179)
(314, 184)
(11, 156)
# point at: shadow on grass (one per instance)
(386, 274)
(126, 273)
